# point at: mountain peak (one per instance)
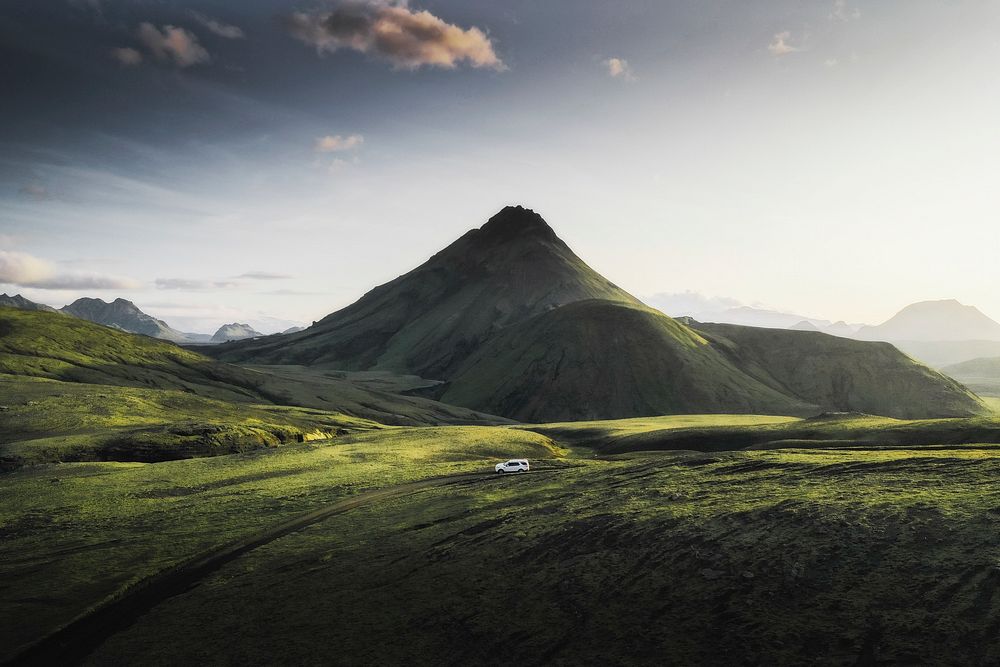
(514, 222)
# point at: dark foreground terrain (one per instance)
(818, 556)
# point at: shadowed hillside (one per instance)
(600, 359)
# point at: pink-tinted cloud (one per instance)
(22, 269)
(407, 38)
(336, 143)
(173, 44)
(127, 57)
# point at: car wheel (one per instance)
(500, 472)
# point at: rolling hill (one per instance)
(516, 324)
(72, 390)
(606, 360)
(840, 374)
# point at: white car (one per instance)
(514, 465)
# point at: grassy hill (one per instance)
(74, 390)
(601, 359)
(840, 374)
(427, 321)
(607, 360)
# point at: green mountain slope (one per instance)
(607, 360)
(842, 374)
(601, 359)
(55, 347)
(429, 320)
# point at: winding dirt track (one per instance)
(72, 643)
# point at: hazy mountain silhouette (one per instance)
(518, 325)
(946, 320)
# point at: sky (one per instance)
(270, 161)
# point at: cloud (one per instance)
(194, 285)
(264, 275)
(36, 191)
(831, 62)
(20, 268)
(406, 38)
(173, 43)
(840, 12)
(127, 57)
(337, 143)
(619, 68)
(217, 27)
(779, 46)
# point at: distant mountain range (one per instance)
(939, 333)
(515, 324)
(124, 315)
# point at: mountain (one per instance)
(235, 331)
(18, 301)
(937, 321)
(514, 323)
(804, 325)
(291, 330)
(124, 315)
(429, 320)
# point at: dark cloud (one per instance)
(407, 38)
